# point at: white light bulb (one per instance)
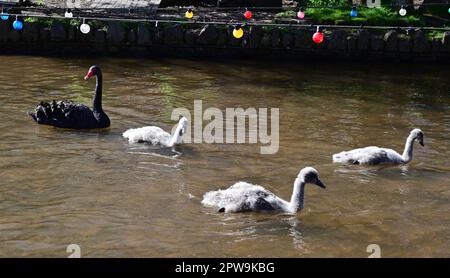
(402, 12)
(68, 14)
(85, 28)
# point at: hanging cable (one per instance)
(298, 25)
(240, 8)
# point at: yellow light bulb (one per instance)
(238, 33)
(189, 14)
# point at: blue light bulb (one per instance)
(353, 12)
(17, 25)
(4, 16)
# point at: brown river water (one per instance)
(115, 199)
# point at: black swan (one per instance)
(68, 114)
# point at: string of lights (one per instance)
(297, 24)
(189, 14)
(238, 32)
(218, 8)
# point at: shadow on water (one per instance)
(170, 152)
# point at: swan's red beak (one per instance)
(88, 75)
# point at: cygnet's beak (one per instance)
(320, 184)
(421, 143)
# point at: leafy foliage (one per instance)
(322, 3)
(377, 16)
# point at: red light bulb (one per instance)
(248, 14)
(318, 36)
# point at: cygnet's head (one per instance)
(418, 134)
(310, 175)
(182, 125)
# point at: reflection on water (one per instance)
(116, 199)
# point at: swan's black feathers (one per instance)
(262, 204)
(379, 157)
(259, 204)
(64, 113)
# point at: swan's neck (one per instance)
(298, 195)
(176, 137)
(97, 102)
(408, 152)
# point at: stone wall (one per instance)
(217, 41)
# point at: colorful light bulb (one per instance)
(301, 14)
(248, 14)
(85, 28)
(353, 12)
(68, 14)
(318, 36)
(17, 24)
(238, 32)
(4, 16)
(189, 14)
